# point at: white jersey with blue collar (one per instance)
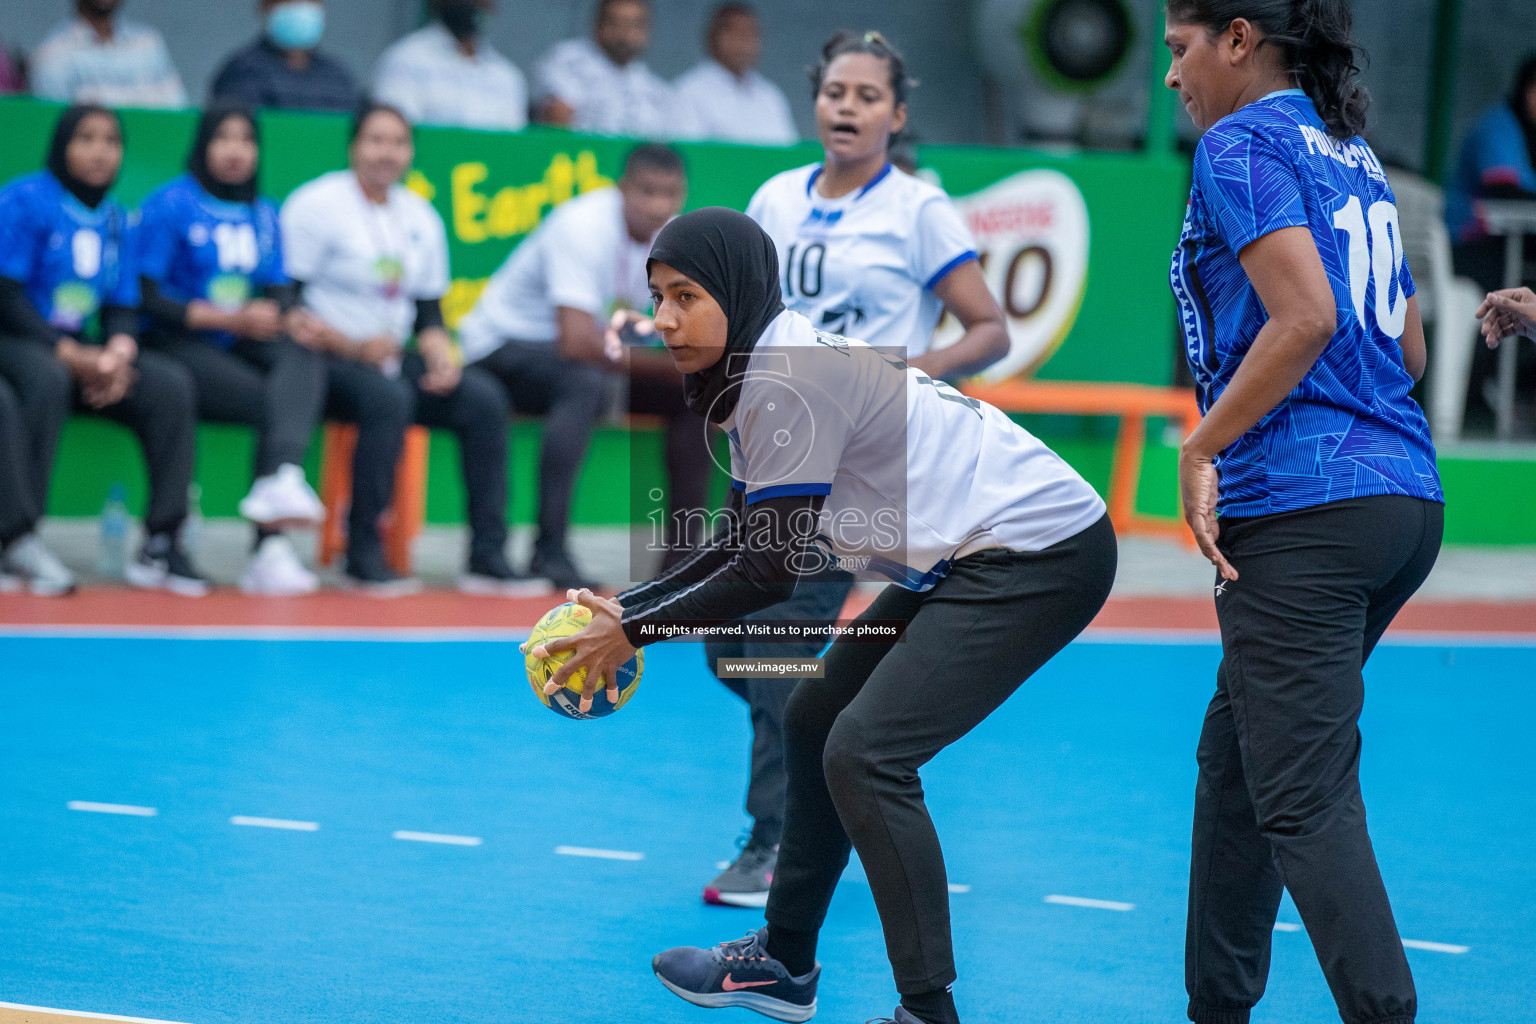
(864, 264)
(916, 475)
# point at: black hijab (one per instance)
(58, 165)
(735, 262)
(1523, 82)
(197, 161)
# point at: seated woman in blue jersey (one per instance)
(999, 552)
(369, 258)
(1310, 484)
(1497, 161)
(210, 266)
(69, 296)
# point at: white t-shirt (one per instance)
(581, 257)
(609, 99)
(864, 264)
(432, 82)
(916, 475)
(364, 265)
(132, 69)
(746, 109)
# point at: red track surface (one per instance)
(227, 608)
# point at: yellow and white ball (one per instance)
(562, 621)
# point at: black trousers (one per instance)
(382, 407)
(817, 601)
(1277, 802)
(569, 396)
(159, 409)
(278, 387)
(856, 739)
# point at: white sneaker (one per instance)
(282, 497)
(275, 571)
(29, 561)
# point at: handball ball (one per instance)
(562, 621)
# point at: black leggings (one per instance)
(278, 387)
(1277, 803)
(856, 739)
(158, 409)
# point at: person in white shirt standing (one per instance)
(446, 74)
(871, 252)
(601, 84)
(369, 259)
(539, 328)
(725, 95)
(97, 57)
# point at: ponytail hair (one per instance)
(873, 43)
(1317, 43)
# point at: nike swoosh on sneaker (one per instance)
(731, 985)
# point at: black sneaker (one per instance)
(745, 882)
(557, 568)
(902, 1016)
(368, 573)
(492, 576)
(738, 973)
(162, 565)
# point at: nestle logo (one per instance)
(1011, 219)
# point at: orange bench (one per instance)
(402, 520)
(1133, 404)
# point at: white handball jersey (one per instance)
(364, 264)
(580, 257)
(916, 474)
(864, 264)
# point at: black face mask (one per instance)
(462, 18)
(735, 262)
(197, 160)
(58, 163)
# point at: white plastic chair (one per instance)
(1447, 301)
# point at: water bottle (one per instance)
(192, 529)
(112, 546)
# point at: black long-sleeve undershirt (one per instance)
(748, 565)
(166, 310)
(19, 318)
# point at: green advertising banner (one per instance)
(1076, 247)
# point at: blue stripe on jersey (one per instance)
(1349, 428)
(786, 491)
(810, 182)
(905, 576)
(943, 272)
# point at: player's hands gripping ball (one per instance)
(579, 662)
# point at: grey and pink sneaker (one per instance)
(746, 880)
(738, 973)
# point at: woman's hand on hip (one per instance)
(1199, 483)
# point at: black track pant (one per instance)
(382, 407)
(855, 740)
(278, 387)
(1277, 803)
(817, 601)
(158, 409)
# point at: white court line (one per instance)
(96, 808)
(1286, 926)
(286, 823)
(438, 837)
(1435, 947)
(369, 634)
(1083, 901)
(80, 1013)
(959, 888)
(587, 851)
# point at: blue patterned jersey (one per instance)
(72, 259)
(195, 246)
(1349, 429)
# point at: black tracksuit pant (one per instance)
(856, 739)
(159, 409)
(382, 407)
(277, 386)
(1277, 802)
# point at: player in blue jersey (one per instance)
(1310, 484)
(871, 252)
(69, 294)
(211, 271)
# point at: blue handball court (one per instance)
(295, 826)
